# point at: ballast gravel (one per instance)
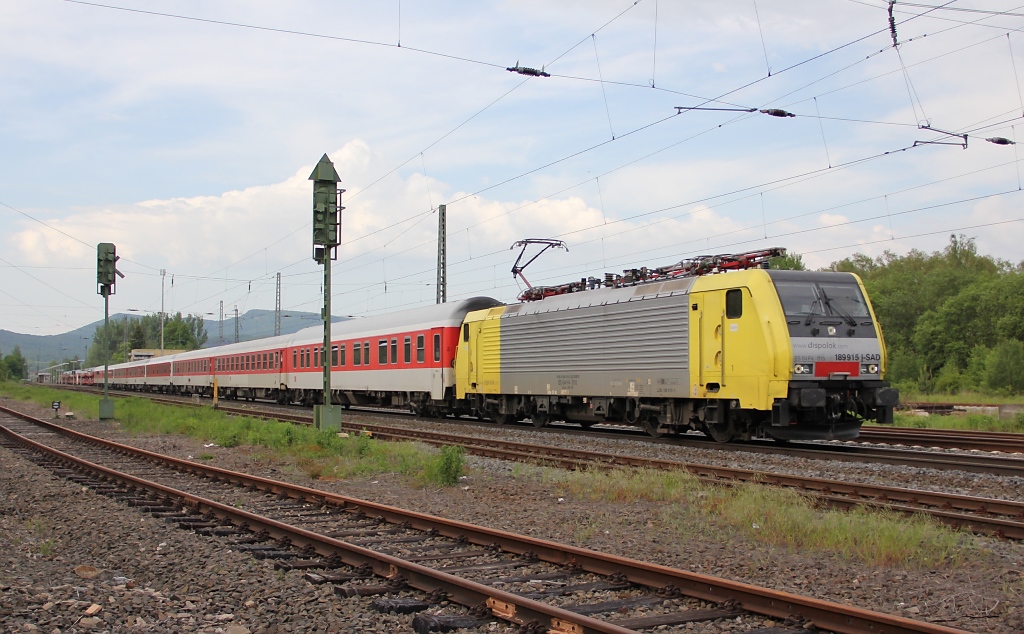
(153, 577)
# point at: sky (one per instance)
(185, 131)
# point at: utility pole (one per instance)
(106, 278)
(277, 309)
(163, 276)
(220, 324)
(236, 324)
(442, 254)
(326, 229)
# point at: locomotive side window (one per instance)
(356, 357)
(382, 352)
(734, 303)
(394, 351)
(366, 353)
(408, 350)
(465, 333)
(437, 347)
(419, 348)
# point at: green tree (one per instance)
(1004, 371)
(789, 262)
(15, 365)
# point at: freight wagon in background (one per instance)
(710, 344)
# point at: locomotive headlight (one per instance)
(869, 368)
(803, 368)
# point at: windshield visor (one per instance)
(826, 299)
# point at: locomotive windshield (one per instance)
(822, 298)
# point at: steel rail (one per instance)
(938, 505)
(950, 509)
(504, 605)
(995, 465)
(1006, 442)
(1001, 442)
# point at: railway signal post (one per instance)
(106, 278)
(326, 229)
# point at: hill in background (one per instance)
(42, 350)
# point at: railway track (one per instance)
(1002, 518)
(369, 549)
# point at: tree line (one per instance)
(953, 320)
(121, 336)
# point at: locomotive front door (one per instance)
(711, 341)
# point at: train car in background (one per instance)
(403, 359)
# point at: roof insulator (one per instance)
(775, 112)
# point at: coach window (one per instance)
(334, 356)
(394, 351)
(382, 351)
(341, 355)
(316, 357)
(295, 358)
(734, 303)
(419, 348)
(366, 353)
(437, 347)
(407, 357)
(357, 358)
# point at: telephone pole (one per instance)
(220, 325)
(277, 310)
(163, 276)
(236, 324)
(442, 254)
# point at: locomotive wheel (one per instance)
(652, 426)
(503, 419)
(540, 419)
(720, 432)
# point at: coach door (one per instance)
(438, 366)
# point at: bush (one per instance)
(446, 468)
(1004, 370)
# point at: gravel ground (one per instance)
(985, 596)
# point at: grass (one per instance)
(973, 422)
(776, 517)
(319, 454)
(962, 398)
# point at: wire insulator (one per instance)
(892, 22)
(1001, 140)
(775, 112)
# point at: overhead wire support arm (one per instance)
(944, 140)
(682, 109)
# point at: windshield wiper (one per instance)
(813, 309)
(837, 307)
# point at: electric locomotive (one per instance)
(744, 352)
